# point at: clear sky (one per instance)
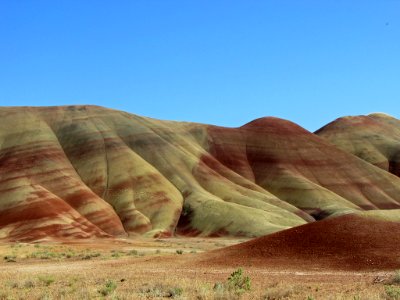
(219, 62)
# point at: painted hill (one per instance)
(87, 171)
(374, 138)
(347, 242)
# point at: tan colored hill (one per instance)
(86, 171)
(374, 138)
(347, 242)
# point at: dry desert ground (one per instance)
(168, 268)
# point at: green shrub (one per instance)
(396, 278)
(10, 258)
(176, 291)
(219, 287)
(90, 255)
(278, 292)
(28, 284)
(132, 252)
(43, 254)
(108, 288)
(12, 285)
(46, 279)
(235, 284)
(239, 283)
(116, 253)
(161, 291)
(179, 251)
(392, 292)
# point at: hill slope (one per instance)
(374, 138)
(83, 171)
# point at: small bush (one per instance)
(395, 280)
(116, 253)
(10, 258)
(12, 285)
(235, 285)
(43, 254)
(90, 255)
(95, 254)
(392, 292)
(275, 293)
(161, 291)
(72, 281)
(175, 292)
(132, 252)
(239, 283)
(108, 288)
(28, 284)
(179, 251)
(219, 287)
(46, 279)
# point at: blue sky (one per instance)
(218, 62)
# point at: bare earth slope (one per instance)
(349, 242)
(374, 138)
(86, 171)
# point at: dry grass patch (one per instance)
(129, 275)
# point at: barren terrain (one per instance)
(145, 268)
(99, 203)
(91, 172)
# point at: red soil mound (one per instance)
(347, 242)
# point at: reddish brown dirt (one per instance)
(347, 242)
